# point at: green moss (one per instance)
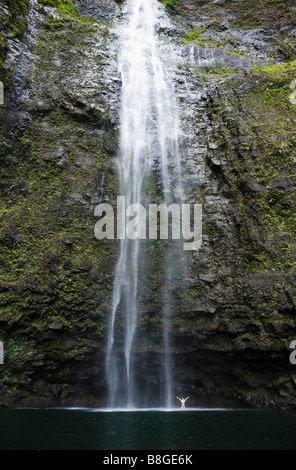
(286, 49)
(56, 278)
(194, 36)
(170, 5)
(3, 50)
(262, 119)
(17, 22)
(208, 42)
(218, 71)
(247, 14)
(65, 7)
(13, 25)
(277, 70)
(195, 292)
(254, 14)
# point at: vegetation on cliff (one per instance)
(235, 313)
(54, 273)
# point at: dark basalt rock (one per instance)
(233, 314)
(284, 183)
(102, 10)
(214, 57)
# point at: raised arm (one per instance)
(179, 398)
(186, 398)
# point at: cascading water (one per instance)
(149, 135)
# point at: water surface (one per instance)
(92, 429)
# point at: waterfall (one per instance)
(149, 139)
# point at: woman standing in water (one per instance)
(182, 400)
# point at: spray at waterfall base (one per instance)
(134, 221)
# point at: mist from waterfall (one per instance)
(149, 140)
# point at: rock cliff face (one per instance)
(233, 317)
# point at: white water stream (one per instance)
(149, 135)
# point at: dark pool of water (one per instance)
(86, 429)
